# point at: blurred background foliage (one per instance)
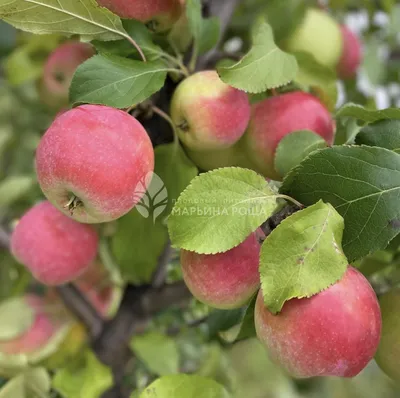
(244, 368)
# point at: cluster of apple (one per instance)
(92, 158)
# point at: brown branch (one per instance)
(161, 272)
(269, 225)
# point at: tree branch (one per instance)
(269, 225)
(4, 238)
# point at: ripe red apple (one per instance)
(59, 70)
(90, 161)
(225, 280)
(39, 334)
(388, 354)
(53, 247)
(334, 333)
(209, 114)
(318, 34)
(275, 117)
(351, 55)
(160, 15)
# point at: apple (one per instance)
(209, 114)
(55, 248)
(224, 280)
(333, 333)
(275, 117)
(320, 35)
(388, 354)
(59, 70)
(159, 15)
(351, 55)
(92, 161)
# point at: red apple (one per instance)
(351, 57)
(59, 70)
(225, 280)
(334, 333)
(90, 161)
(275, 117)
(209, 114)
(53, 247)
(160, 15)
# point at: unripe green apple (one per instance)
(320, 35)
(209, 114)
(388, 354)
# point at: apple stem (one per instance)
(73, 204)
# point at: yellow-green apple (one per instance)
(275, 117)
(209, 114)
(54, 248)
(59, 70)
(224, 280)
(92, 161)
(388, 354)
(159, 15)
(333, 333)
(351, 57)
(320, 35)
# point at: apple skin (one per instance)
(59, 70)
(388, 354)
(320, 35)
(37, 337)
(334, 333)
(55, 248)
(224, 280)
(351, 55)
(209, 114)
(98, 155)
(275, 117)
(160, 15)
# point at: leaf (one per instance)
(294, 147)
(313, 260)
(223, 320)
(383, 133)
(137, 245)
(367, 115)
(362, 183)
(184, 386)
(14, 388)
(16, 318)
(116, 81)
(264, 67)
(194, 16)
(219, 209)
(175, 169)
(158, 352)
(87, 379)
(142, 36)
(319, 78)
(210, 34)
(14, 188)
(78, 17)
(247, 328)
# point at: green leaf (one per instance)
(14, 188)
(194, 16)
(367, 115)
(210, 33)
(174, 169)
(158, 352)
(116, 81)
(87, 379)
(14, 388)
(264, 67)
(78, 17)
(16, 318)
(383, 133)
(143, 37)
(294, 147)
(319, 78)
(247, 328)
(222, 320)
(184, 386)
(362, 183)
(137, 245)
(313, 260)
(219, 209)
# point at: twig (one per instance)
(269, 225)
(76, 302)
(163, 261)
(4, 238)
